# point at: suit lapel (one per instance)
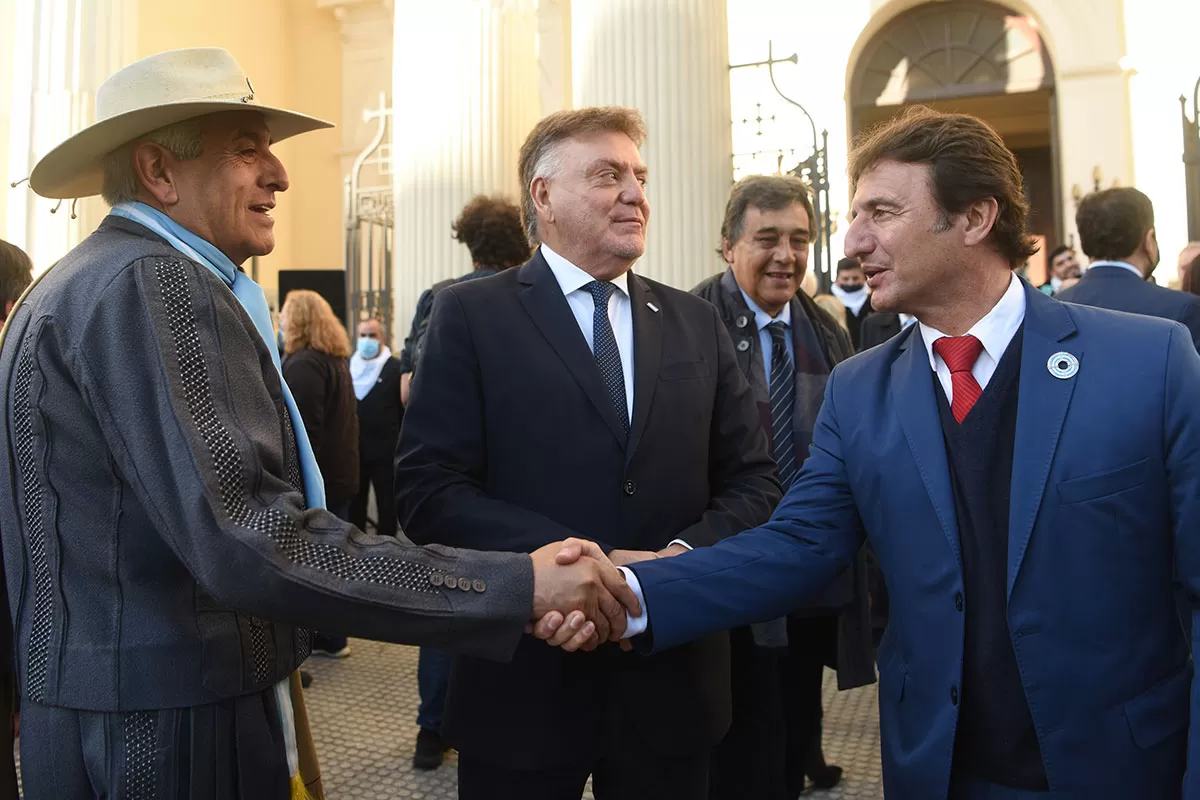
(1042, 402)
(547, 307)
(917, 407)
(647, 356)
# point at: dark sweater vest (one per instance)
(995, 740)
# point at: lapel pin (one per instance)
(652, 307)
(1063, 365)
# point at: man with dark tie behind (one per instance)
(1028, 472)
(786, 345)
(571, 397)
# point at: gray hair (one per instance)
(541, 154)
(184, 140)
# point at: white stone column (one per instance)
(465, 96)
(668, 58)
(63, 51)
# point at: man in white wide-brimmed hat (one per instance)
(164, 536)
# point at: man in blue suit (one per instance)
(1028, 472)
(1116, 231)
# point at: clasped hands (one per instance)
(580, 597)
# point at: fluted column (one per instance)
(465, 95)
(668, 58)
(62, 51)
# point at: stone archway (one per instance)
(979, 58)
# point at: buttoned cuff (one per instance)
(636, 625)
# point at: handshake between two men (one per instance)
(580, 598)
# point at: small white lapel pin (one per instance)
(652, 307)
(1063, 365)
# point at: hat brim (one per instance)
(76, 167)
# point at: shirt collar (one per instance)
(571, 278)
(995, 330)
(1121, 264)
(761, 318)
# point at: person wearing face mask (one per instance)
(376, 377)
(1116, 231)
(851, 289)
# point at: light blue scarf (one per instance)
(251, 296)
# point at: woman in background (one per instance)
(317, 370)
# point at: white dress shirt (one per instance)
(1121, 264)
(762, 319)
(571, 279)
(995, 331)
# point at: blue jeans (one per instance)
(433, 677)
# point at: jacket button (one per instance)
(743, 321)
(743, 345)
(958, 601)
(464, 584)
(630, 488)
(954, 695)
(450, 581)
(437, 579)
(479, 586)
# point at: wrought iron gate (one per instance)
(1191, 160)
(813, 170)
(370, 222)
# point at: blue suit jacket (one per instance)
(1105, 497)
(1120, 290)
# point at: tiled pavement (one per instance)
(363, 709)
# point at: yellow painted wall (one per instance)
(291, 50)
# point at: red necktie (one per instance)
(960, 354)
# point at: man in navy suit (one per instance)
(1116, 231)
(572, 394)
(1028, 472)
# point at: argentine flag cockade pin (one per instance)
(1063, 365)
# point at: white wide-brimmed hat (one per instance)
(159, 90)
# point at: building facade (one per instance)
(1085, 92)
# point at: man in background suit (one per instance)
(850, 286)
(1116, 231)
(570, 395)
(786, 345)
(1033, 645)
(881, 326)
(1064, 267)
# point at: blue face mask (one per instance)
(368, 348)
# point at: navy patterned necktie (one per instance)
(783, 403)
(604, 348)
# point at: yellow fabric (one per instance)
(298, 792)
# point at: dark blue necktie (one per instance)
(604, 348)
(783, 403)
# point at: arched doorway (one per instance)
(978, 58)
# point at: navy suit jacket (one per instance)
(1120, 290)
(1105, 499)
(511, 442)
